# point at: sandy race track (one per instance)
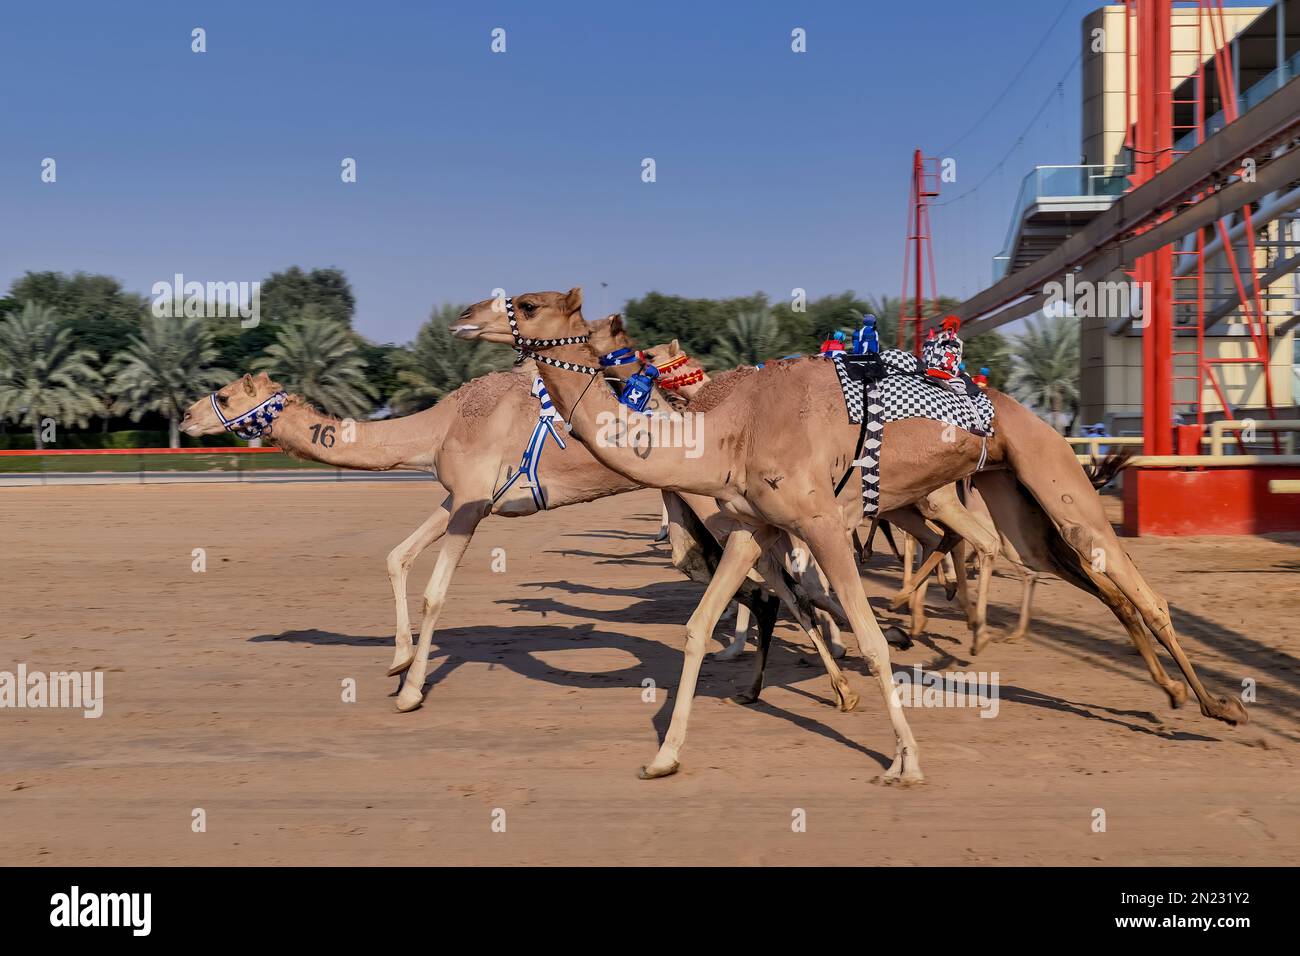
(224, 693)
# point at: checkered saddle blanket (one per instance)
(904, 392)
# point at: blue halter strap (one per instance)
(618, 357)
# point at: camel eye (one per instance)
(529, 307)
(222, 399)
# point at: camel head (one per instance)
(661, 355)
(539, 316)
(608, 339)
(242, 406)
(677, 370)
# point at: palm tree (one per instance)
(42, 374)
(749, 338)
(162, 369)
(1043, 366)
(438, 363)
(316, 356)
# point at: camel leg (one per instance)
(962, 581)
(946, 574)
(1128, 615)
(663, 524)
(916, 611)
(1028, 579)
(983, 577)
(764, 644)
(400, 560)
(1045, 465)
(1155, 612)
(832, 550)
(737, 645)
(945, 507)
(1028, 534)
(830, 633)
(846, 698)
(976, 611)
(741, 552)
(927, 568)
(460, 530)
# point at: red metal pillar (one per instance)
(1153, 146)
(917, 251)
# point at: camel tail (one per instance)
(1102, 472)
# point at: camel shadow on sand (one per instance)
(659, 599)
(517, 648)
(789, 665)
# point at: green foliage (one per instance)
(100, 314)
(439, 363)
(1043, 368)
(318, 357)
(695, 323)
(283, 298)
(43, 372)
(748, 339)
(286, 294)
(383, 362)
(987, 350)
(709, 328)
(164, 369)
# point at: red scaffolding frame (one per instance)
(1149, 112)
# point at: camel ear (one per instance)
(262, 378)
(673, 347)
(615, 324)
(573, 301)
(249, 387)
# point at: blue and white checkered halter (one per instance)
(255, 422)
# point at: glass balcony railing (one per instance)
(1257, 93)
(1057, 182)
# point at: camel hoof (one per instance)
(1010, 638)
(401, 667)
(652, 772)
(838, 651)
(1177, 695)
(1230, 711)
(949, 591)
(409, 699)
(899, 602)
(895, 636)
(730, 652)
(910, 778)
(979, 642)
(744, 699)
(848, 703)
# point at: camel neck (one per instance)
(409, 442)
(661, 451)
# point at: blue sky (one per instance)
(522, 170)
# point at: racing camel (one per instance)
(472, 441)
(775, 443)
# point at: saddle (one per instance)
(891, 386)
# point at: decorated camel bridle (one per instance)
(524, 346)
(674, 382)
(635, 391)
(255, 422)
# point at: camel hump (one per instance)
(480, 397)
